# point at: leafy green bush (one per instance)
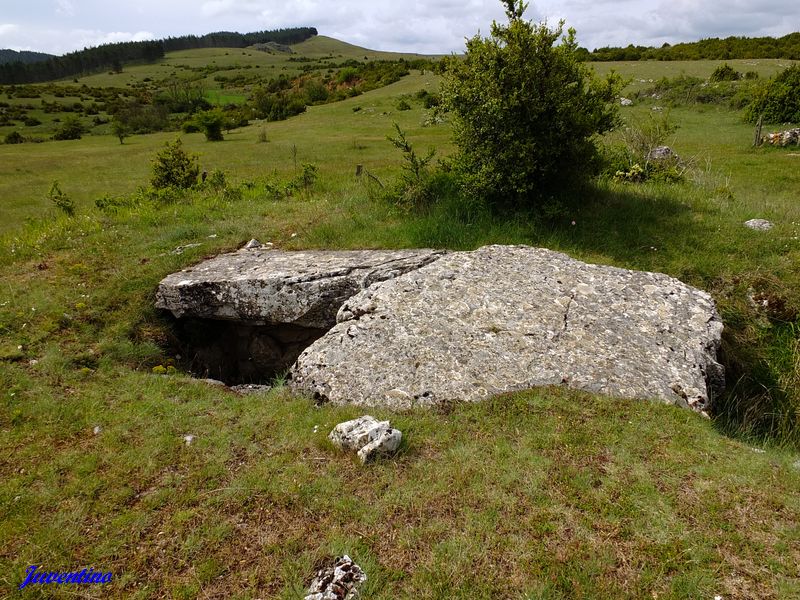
(190, 126)
(403, 105)
(174, 168)
(277, 106)
(525, 112)
(15, 137)
(211, 123)
(347, 75)
(778, 99)
(725, 73)
(70, 129)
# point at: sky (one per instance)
(428, 27)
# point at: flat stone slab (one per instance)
(503, 318)
(262, 286)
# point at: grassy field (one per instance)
(543, 494)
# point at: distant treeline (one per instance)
(114, 56)
(729, 48)
(24, 56)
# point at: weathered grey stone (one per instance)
(759, 224)
(504, 318)
(660, 153)
(367, 436)
(340, 582)
(625, 101)
(304, 288)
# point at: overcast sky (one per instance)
(432, 26)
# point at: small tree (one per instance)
(525, 111)
(211, 123)
(120, 129)
(173, 167)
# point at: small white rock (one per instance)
(189, 438)
(252, 244)
(340, 582)
(367, 436)
(759, 224)
(97, 429)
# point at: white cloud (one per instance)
(7, 29)
(65, 8)
(96, 38)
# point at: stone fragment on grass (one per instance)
(367, 436)
(662, 153)
(759, 224)
(252, 244)
(625, 102)
(340, 582)
(184, 248)
(247, 389)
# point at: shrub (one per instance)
(216, 180)
(403, 105)
(525, 111)
(211, 122)
(778, 99)
(347, 75)
(190, 126)
(63, 202)
(414, 190)
(174, 168)
(725, 73)
(277, 106)
(70, 129)
(15, 137)
(32, 122)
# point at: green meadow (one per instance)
(543, 494)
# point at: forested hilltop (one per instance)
(729, 48)
(24, 56)
(114, 56)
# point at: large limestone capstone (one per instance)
(502, 318)
(258, 285)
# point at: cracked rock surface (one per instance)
(258, 285)
(502, 318)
